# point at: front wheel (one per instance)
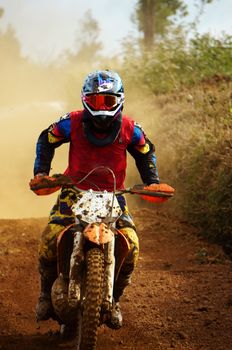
(92, 299)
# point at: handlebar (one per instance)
(139, 189)
(55, 182)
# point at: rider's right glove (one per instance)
(39, 183)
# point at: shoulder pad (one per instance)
(140, 127)
(63, 117)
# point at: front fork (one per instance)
(109, 275)
(76, 269)
(76, 266)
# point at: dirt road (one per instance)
(180, 298)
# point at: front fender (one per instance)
(98, 233)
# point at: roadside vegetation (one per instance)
(190, 81)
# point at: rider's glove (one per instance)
(43, 180)
(160, 188)
(164, 188)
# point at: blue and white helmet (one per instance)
(103, 94)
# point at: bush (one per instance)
(177, 63)
(199, 134)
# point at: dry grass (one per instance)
(196, 134)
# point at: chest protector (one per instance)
(85, 156)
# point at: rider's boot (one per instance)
(116, 316)
(68, 331)
(122, 282)
(44, 309)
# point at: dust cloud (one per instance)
(37, 99)
(21, 125)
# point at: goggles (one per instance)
(102, 102)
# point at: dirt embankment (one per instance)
(180, 297)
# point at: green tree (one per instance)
(9, 46)
(87, 43)
(1, 12)
(154, 17)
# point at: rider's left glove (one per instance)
(164, 188)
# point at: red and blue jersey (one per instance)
(84, 156)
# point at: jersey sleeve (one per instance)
(51, 138)
(143, 151)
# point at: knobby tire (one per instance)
(92, 298)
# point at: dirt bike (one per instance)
(89, 258)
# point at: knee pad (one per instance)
(48, 242)
(131, 236)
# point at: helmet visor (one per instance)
(101, 102)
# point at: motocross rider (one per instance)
(99, 134)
